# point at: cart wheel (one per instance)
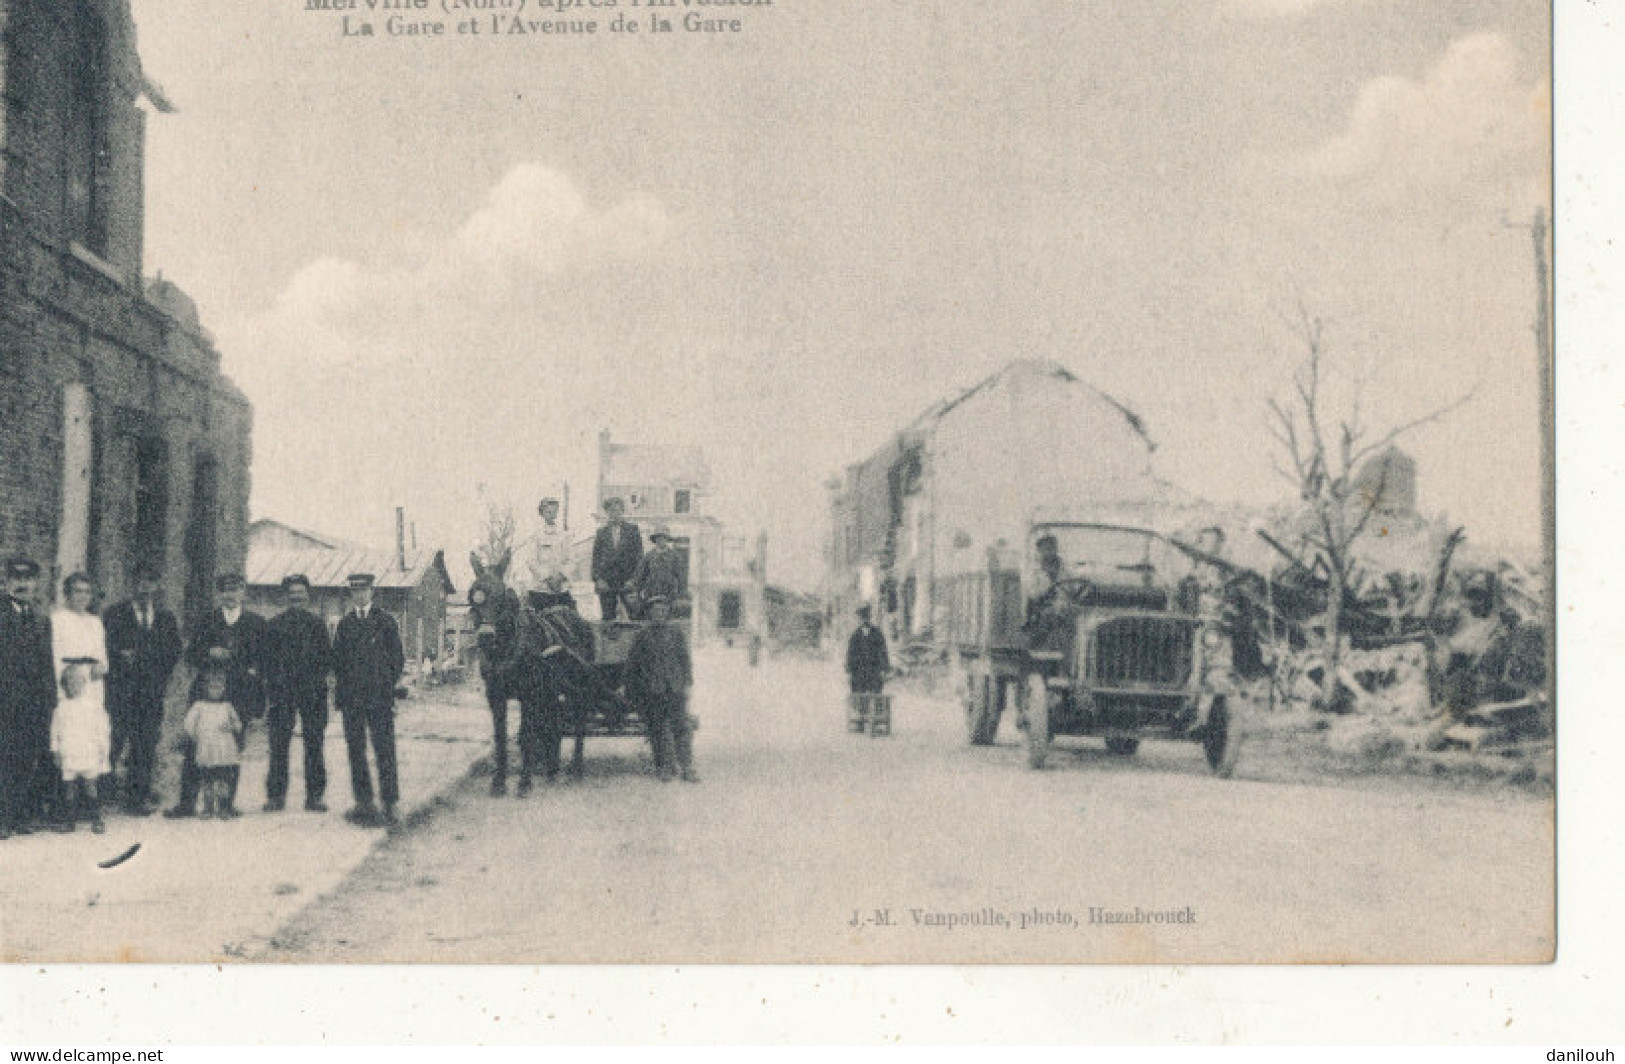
(1037, 731)
(981, 709)
(1122, 745)
(1220, 740)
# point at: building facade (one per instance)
(671, 486)
(123, 444)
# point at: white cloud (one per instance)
(467, 359)
(1469, 121)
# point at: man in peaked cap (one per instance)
(242, 636)
(367, 664)
(298, 659)
(27, 698)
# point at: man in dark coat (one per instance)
(659, 674)
(616, 550)
(298, 659)
(367, 664)
(659, 575)
(143, 647)
(27, 698)
(866, 658)
(234, 635)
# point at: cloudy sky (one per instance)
(435, 265)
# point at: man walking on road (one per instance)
(866, 658)
(659, 674)
(28, 690)
(367, 664)
(298, 659)
(143, 647)
(616, 551)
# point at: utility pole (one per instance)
(1548, 453)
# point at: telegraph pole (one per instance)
(1544, 361)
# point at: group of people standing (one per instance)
(78, 694)
(82, 695)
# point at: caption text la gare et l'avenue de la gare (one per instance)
(421, 19)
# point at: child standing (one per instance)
(81, 739)
(213, 728)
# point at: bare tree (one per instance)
(497, 527)
(1322, 455)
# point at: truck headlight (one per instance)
(1212, 638)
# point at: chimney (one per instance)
(400, 538)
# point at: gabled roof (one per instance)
(1035, 367)
(330, 568)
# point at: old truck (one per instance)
(1094, 630)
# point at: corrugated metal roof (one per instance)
(331, 568)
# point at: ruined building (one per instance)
(121, 444)
(967, 475)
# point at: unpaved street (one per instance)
(807, 843)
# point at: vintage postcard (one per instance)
(777, 481)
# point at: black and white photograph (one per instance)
(777, 482)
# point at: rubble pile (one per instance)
(1441, 648)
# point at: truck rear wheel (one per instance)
(1037, 731)
(1220, 739)
(1122, 745)
(981, 709)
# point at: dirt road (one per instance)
(808, 843)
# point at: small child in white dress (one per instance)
(212, 726)
(81, 739)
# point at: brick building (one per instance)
(120, 441)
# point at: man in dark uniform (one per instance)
(143, 647)
(659, 575)
(659, 674)
(866, 658)
(27, 698)
(367, 664)
(298, 658)
(241, 636)
(616, 550)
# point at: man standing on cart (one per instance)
(616, 550)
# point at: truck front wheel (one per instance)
(1037, 731)
(1220, 739)
(981, 709)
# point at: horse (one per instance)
(495, 610)
(558, 682)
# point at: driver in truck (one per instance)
(1046, 610)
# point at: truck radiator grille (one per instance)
(1141, 651)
